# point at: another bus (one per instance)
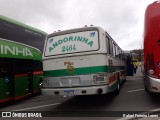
(20, 70)
(151, 48)
(82, 61)
(20, 64)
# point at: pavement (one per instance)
(132, 99)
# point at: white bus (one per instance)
(83, 61)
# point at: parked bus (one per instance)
(20, 70)
(19, 32)
(20, 64)
(151, 48)
(83, 61)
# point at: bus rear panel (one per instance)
(75, 62)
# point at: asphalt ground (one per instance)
(132, 99)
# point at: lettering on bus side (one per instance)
(4, 49)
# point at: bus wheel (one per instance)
(145, 85)
(145, 88)
(118, 88)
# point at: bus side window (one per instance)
(108, 45)
(5, 68)
(111, 47)
(37, 66)
(114, 50)
(20, 66)
(119, 52)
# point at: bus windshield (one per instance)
(72, 43)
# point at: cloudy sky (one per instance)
(122, 19)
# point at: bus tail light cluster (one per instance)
(154, 88)
(151, 70)
(101, 79)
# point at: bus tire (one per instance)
(118, 87)
(145, 85)
(146, 89)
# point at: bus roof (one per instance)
(74, 30)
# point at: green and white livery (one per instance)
(82, 61)
(20, 70)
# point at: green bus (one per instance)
(20, 59)
(20, 70)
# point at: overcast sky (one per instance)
(122, 19)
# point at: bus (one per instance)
(20, 70)
(19, 32)
(20, 64)
(151, 46)
(82, 61)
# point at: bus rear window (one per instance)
(72, 43)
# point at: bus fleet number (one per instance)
(69, 48)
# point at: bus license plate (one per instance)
(69, 92)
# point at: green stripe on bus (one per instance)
(82, 71)
(78, 71)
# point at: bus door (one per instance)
(21, 86)
(30, 76)
(6, 80)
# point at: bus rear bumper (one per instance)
(153, 84)
(76, 91)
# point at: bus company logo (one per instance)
(70, 68)
(4, 49)
(51, 40)
(92, 34)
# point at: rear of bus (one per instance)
(152, 48)
(75, 62)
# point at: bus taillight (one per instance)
(154, 88)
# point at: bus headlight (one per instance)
(101, 79)
(151, 72)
